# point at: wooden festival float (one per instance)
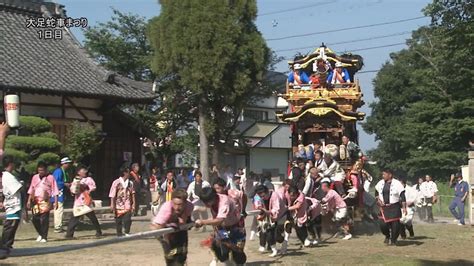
(320, 111)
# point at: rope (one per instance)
(22, 252)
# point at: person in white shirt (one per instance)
(319, 161)
(420, 200)
(429, 191)
(243, 179)
(312, 181)
(390, 195)
(228, 175)
(194, 190)
(334, 172)
(411, 196)
(12, 203)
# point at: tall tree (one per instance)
(227, 110)
(170, 126)
(121, 45)
(424, 115)
(214, 52)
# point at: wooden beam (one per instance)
(79, 111)
(63, 109)
(314, 130)
(58, 106)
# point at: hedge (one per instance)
(49, 158)
(34, 124)
(50, 135)
(19, 156)
(32, 143)
(31, 167)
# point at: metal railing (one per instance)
(314, 87)
(441, 207)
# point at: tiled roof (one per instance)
(58, 67)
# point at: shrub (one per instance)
(31, 166)
(49, 158)
(34, 124)
(19, 156)
(50, 135)
(82, 140)
(34, 143)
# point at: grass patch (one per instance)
(445, 196)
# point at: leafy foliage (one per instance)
(209, 54)
(121, 45)
(29, 143)
(19, 156)
(171, 127)
(34, 125)
(51, 135)
(82, 140)
(424, 115)
(49, 158)
(35, 143)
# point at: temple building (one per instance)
(56, 79)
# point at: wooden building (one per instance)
(57, 80)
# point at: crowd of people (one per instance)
(316, 188)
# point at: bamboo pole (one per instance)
(21, 252)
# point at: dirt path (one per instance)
(434, 244)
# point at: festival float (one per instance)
(321, 109)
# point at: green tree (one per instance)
(170, 128)
(121, 45)
(227, 110)
(424, 115)
(82, 140)
(33, 144)
(213, 54)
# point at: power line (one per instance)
(294, 9)
(362, 49)
(344, 29)
(368, 71)
(377, 47)
(344, 42)
(328, 11)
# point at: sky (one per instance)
(282, 18)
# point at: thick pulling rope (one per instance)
(21, 252)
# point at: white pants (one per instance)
(199, 210)
(339, 176)
(340, 214)
(407, 219)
